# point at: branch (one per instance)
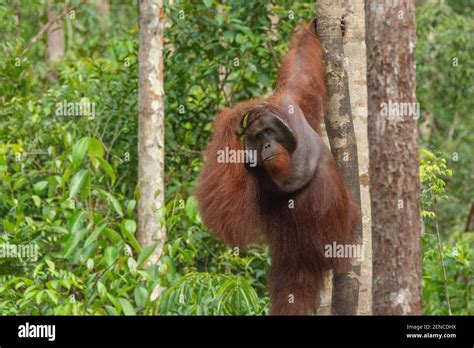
(469, 218)
(49, 24)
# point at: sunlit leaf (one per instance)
(79, 150)
(78, 182)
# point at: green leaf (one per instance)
(114, 301)
(101, 289)
(73, 241)
(78, 181)
(95, 162)
(90, 264)
(95, 234)
(208, 3)
(126, 306)
(85, 189)
(229, 36)
(220, 20)
(36, 200)
(141, 296)
(191, 208)
(53, 296)
(79, 150)
(130, 225)
(112, 200)
(128, 228)
(107, 169)
(39, 297)
(427, 153)
(160, 216)
(132, 265)
(112, 235)
(50, 264)
(8, 226)
(67, 175)
(110, 255)
(76, 232)
(40, 186)
(145, 254)
(111, 310)
(76, 221)
(131, 205)
(95, 148)
(242, 28)
(19, 183)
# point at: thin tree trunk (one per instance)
(340, 130)
(54, 40)
(393, 149)
(17, 17)
(356, 54)
(55, 36)
(151, 128)
(470, 218)
(325, 299)
(103, 10)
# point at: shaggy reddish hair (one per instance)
(297, 225)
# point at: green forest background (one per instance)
(68, 185)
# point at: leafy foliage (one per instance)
(445, 72)
(209, 294)
(444, 85)
(65, 190)
(456, 256)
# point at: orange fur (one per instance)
(278, 167)
(236, 208)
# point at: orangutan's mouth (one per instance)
(269, 158)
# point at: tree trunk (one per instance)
(325, 299)
(103, 10)
(151, 128)
(393, 149)
(17, 17)
(356, 54)
(340, 130)
(470, 219)
(55, 36)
